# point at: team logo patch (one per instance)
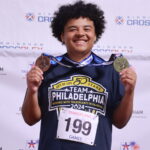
(78, 92)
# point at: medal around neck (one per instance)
(120, 63)
(43, 62)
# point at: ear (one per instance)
(95, 39)
(62, 37)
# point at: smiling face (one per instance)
(79, 37)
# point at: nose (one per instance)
(80, 33)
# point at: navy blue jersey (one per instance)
(93, 88)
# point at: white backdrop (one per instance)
(25, 33)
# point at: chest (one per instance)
(82, 89)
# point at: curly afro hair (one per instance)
(77, 10)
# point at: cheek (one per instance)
(92, 36)
(68, 38)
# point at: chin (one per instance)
(81, 51)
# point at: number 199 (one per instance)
(79, 126)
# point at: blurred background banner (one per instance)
(25, 33)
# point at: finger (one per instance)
(130, 83)
(37, 68)
(33, 80)
(126, 77)
(35, 71)
(34, 75)
(129, 76)
(129, 69)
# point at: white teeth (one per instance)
(80, 42)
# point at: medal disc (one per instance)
(120, 63)
(43, 62)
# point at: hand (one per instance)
(128, 77)
(34, 78)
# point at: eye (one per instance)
(71, 29)
(87, 29)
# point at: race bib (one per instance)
(77, 125)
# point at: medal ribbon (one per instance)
(83, 63)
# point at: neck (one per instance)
(78, 57)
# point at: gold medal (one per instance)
(120, 63)
(43, 62)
